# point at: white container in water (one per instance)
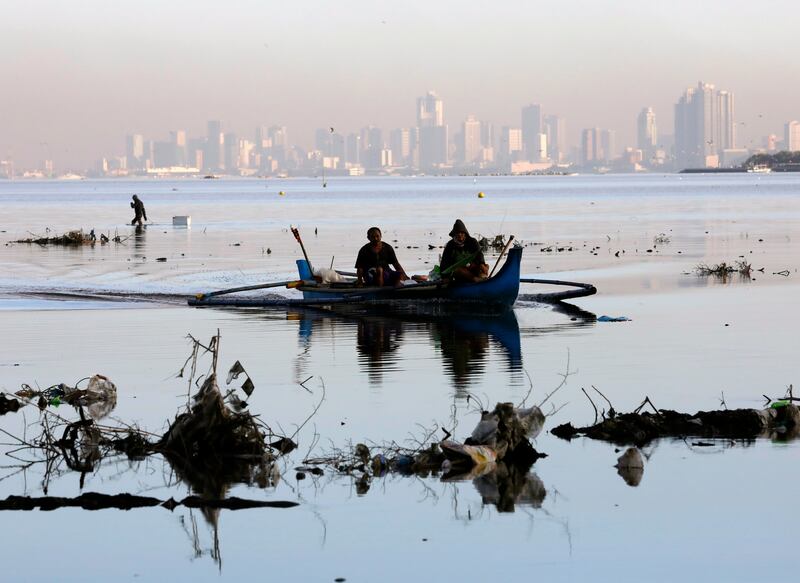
(182, 221)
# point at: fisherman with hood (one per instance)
(138, 208)
(462, 259)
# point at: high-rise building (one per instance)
(510, 145)
(430, 112)
(531, 128)
(230, 152)
(646, 133)
(353, 150)
(554, 129)
(400, 145)
(323, 141)
(279, 151)
(433, 144)
(704, 126)
(212, 157)
(608, 145)
(472, 144)
(488, 135)
(791, 136)
(591, 150)
(134, 151)
(725, 138)
(178, 139)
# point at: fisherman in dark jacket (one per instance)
(462, 258)
(374, 261)
(138, 208)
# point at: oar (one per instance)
(296, 234)
(503, 252)
(222, 292)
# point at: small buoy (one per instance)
(281, 193)
(481, 195)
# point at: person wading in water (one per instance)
(138, 209)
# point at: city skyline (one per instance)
(79, 76)
(703, 135)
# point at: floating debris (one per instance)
(70, 239)
(642, 428)
(723, 270)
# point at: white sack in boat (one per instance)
(326, 275)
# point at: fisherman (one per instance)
(374, 261)
(462, 258)
(138, 208)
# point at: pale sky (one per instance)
(77, 76)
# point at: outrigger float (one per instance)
(498, 291)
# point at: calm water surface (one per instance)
(698, 514)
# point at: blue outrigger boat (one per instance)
(499, 291)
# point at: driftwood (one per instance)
(642, 428)
(97, 501)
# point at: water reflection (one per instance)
(469, 343)
(463, 340)
(139, 240)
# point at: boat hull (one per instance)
(500, 290)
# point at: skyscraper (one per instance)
(791, 136)
(608, 145)
(531, 128)
(430, 112)
(472, 147)
(725, 138)
(704, 126)
(433, 146)
(230, 152)
(134, 151)
(212, 157)
(400, 144)
(591, 151)
(178, 139)
(554, 129)
(646, 133)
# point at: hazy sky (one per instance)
(76, 76)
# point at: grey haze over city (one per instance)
(77, 77)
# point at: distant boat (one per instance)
(210, 177)
(760, 169)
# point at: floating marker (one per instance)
(481, 195)
(281, 193)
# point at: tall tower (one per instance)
(726, 126)
(430, 111)
(791, 136)
(554, 129)
(531, 128)
(134, 151)
(646, 132)
(590, 145)
(433, 146)
(212, 158)
(471, 130)
(696, 127)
